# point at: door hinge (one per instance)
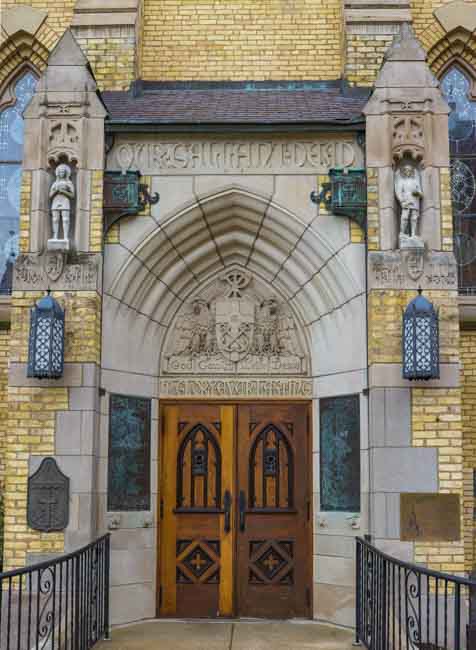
(308, 597)
(161, 508)
(160, 596)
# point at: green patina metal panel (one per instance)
(129, 454)
(340, 453)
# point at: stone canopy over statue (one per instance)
(61, 196)
(409, 194)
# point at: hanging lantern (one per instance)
(46, 344)
(420, 339)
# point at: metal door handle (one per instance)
(227, 506)
(242, 505)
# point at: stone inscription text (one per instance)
(234, 156)
(387, 270)
(228, 388)
(82, 274)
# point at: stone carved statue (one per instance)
(61, 195)
(409, 193)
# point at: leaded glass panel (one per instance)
(129, 454)
(11, 156)
(340, 453)
(456, 87)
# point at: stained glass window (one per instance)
(11, 156)
(340, 453)
(129, 454)
(457, 89)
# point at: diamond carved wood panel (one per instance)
(271, 562)
(198, 561)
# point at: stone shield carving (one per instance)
(235, 326)
(53, 263)
(48, 498)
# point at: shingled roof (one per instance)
(251, 103)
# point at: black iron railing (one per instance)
(402, 606)
(61, 604)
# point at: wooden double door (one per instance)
(234, 524)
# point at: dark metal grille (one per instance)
(420, 340)
(340, 453)
(456, 87)
(129, 454)
(402, 606)
(46, 342)
(62, 604)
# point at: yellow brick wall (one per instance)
(96, 218)
(25, 205)
(437, 423)
(4, 350)
(385, 309)
(244, 39)
(468, 376)
(112, 57)
(446, 210)
(364, 55)
(31, 427)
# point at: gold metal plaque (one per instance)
(430, 517)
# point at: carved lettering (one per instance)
(81, 272)
(230, 388)
(398, 270)
(242, 156)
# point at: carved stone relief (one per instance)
(64, 139)
(48, 498)
(57, 270)
(236, 326)
(408, 137)
(412, 269)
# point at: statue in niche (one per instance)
(61, 195)
(409, 194)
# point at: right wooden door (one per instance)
(273, 568)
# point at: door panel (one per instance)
(196, 541)
(234, 530)
(273, 552)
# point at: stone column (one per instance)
(415, 427)
(64, 124)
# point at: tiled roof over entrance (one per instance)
(272, 103)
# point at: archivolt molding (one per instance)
(456, 46)
(237, 227)
(25, 38)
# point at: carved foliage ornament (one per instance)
(235, 327)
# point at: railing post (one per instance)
(77, 617)
(471, 628)
(358, 587)
(106, 587)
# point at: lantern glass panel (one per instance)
(46, 345)
(420, 340)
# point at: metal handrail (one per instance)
(404, 606)
(58, 604)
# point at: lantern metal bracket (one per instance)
(345, 195)
(125, 196)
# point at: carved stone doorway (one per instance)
(235, 511)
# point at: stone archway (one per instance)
(161, 265)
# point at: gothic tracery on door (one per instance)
(235, 511)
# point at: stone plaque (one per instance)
(55, 270)
(430, 517)
(48, 498)
(411, 270)
(221, 155)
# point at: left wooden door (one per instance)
(196, 526)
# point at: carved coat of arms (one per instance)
(238, 329)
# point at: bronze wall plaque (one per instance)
(48, 498)
(430, 517)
